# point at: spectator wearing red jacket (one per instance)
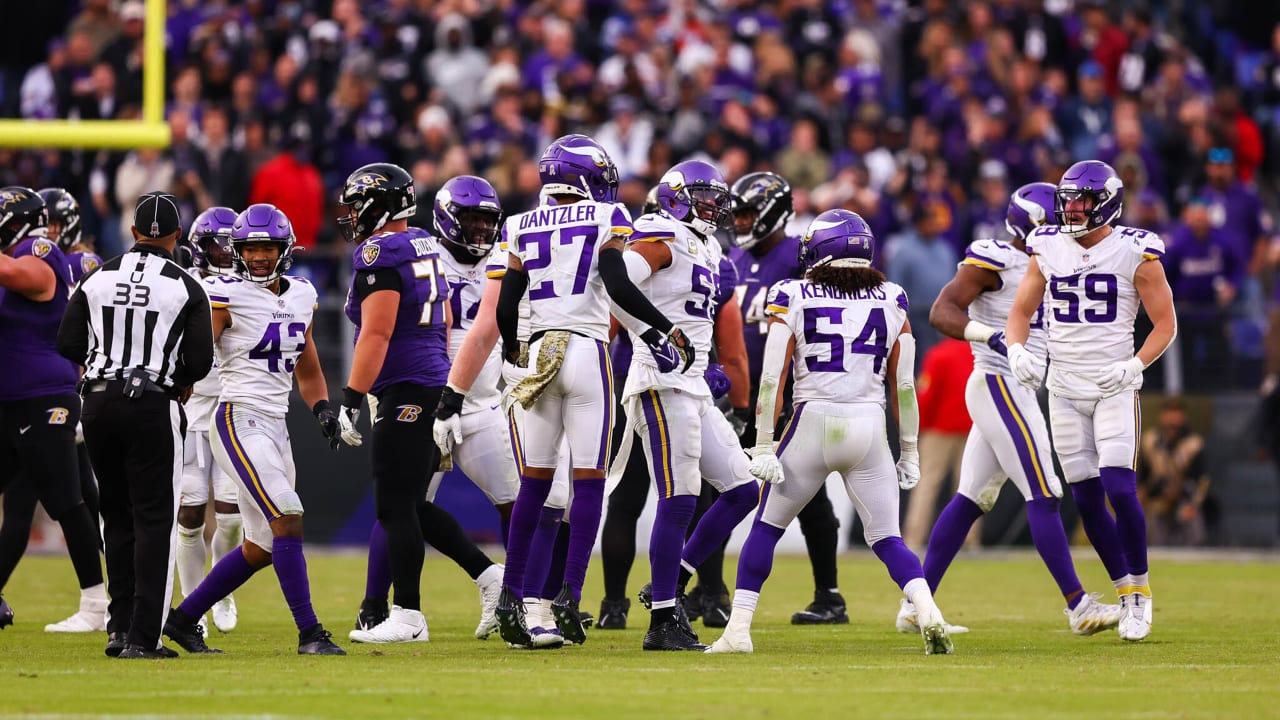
(944, 427)
(292, 183)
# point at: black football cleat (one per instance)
(373, 611)
(613, 614)
(511, 625)
(317, 641)
(715, 608)
(670, 636)
(693, 603)
(115, 644)
(568, 619)
(184, 630)
(6, 614)
(137, 652)
(587, 619)
(682, 619)
(827, 608)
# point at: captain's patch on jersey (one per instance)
(370, 253)
(41, 248)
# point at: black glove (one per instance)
(450, 403)
(741, 419)
(328, 422)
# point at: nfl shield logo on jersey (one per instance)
(370, 253)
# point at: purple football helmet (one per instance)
(1090, 192)
(209, 241)
(577, 165)
(839, 237)
(262, 223)
(695, 193)
(468, 213)
(1030, 206)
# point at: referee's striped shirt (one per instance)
(140, 309)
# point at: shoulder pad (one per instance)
(1144, 242)
(780, 297)
(989, 254)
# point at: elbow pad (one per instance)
(638, 269)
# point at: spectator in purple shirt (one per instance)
(1205, 274)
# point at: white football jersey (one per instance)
(204, 394)
(1091, 302)
(843, 340)
(559, 246)
(466, 286)
(992, 307)
(258, 352)
(684, 292)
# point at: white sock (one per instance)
(533, 612)
(684, 564)
(191, 557)
(745, 599)
(917, 591)
(227, 535)
(662, 604)
(744, 609)
(94, 592)
(1141, 584)
(1123, 583)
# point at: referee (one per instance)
(141, 329)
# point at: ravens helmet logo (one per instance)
(368, 181)
(8, 197)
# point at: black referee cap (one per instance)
(156, 215)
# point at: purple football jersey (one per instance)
(30, 365)
(755, 276)
(419, 347)
(81, 263)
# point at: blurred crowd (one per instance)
(920, 115)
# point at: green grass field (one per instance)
(1212, 654)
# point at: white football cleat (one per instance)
(1091, 616)
(225, 615)
(544, 639)
(490, 584)
(732, 641)
(906, 621)
(934, 631)
(1135, 624)
(401, 626)
(91, 617)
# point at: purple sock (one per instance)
(902, 564)
(541, 550)
(524, 523)
(947, 537)
(555, 571)
(377, 579)
(224, 578)
(504, 525)
(666, 541)
(1121, 485)
(584, 523)
(1051, 542)
(1099, 526)
(291, 569)
(719, 521)
(756, 561)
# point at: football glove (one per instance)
(328, 422)
(447, 430)
(765, 465)
(672, 351)
(716, 380)
(349, 415)
(996, 342)
(1026, 367)
(1118, 376)
(908, 469)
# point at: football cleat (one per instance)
(6, 614)
(670, 636)
(115, 644)
(544, 639)
(225, 615)
(827, 608)
(137, 652)
(401, 626)
(318, 641)
(185, 631)
(732, 641)
(568, 619)
(373, 611)
(613, 614)
(934, 630)
(715, 608)
(510, 616)
(646, 599)
(906, 621)
(1090, 616)
(490, 584)
(694, 602)
(91, 617)
(1135, 620)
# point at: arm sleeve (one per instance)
(369, 282)
(73, 333)
(195, 353)
(775, 358)
(514, 284)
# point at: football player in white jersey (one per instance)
(262, 332)
(843, 328)
(1009, 438)
(566, 254)
(209, 246)
(1096, 273)
(674, 258)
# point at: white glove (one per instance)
(1026, 367)
(908, 468)
(447, 433)
(765, 464)
(1118, 376)
(79, 433)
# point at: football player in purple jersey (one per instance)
(766, 255)
(39, 408)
